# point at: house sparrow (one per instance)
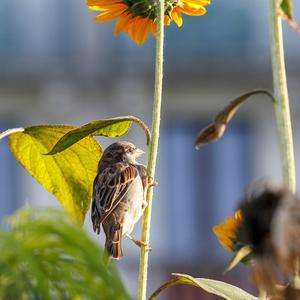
(271, 225)
(119, 195)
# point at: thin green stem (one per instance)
(152, 148)
(282, 110)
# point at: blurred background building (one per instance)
(57, 65)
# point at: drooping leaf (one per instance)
(216, 130)
(68, 176)
(287, 8)
(46, 256)
(238, 257)
(110, 128)
(215, 287)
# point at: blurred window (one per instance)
(8, 34)
(204, 186)
(224, 30)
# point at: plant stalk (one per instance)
(282, 109)
(152, 149)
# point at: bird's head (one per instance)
(118, 152)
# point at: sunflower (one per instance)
(227, 231)
(138, 17)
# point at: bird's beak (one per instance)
(139, 152)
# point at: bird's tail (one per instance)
(95, 217)
(113, 244)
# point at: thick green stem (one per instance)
(282, 109)
(152, 149)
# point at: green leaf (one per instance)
(110, 128)
(219, 288)
(68, 176)
(46, 256)
(287, 8)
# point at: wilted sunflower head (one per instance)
(139, 17)
(259, 210)
(271, 226)
(227, 232)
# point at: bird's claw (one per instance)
(152, 182)
(140, 243)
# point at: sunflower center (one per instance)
(148, 8)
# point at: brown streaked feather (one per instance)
(113, 232)
(144, 176)
(110, 186)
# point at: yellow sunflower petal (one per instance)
(238, 215)
(111, 14)
(177, 18)
(198, 2)
(94, 7)
(122, 23)
(192, 9)
(133, 27)
(154, 28)
(225, 241)
(167, 21)
(143, 31)
(227, 231)
(101, 2)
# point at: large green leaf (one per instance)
(68, 176)
(110, 128)
(219, 288)
(46, 256)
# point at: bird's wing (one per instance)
(144, 176)
(110, 186)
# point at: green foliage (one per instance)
(69, 175)
(110, 128)
(215, 287)
(287, 8)
(44, 255)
